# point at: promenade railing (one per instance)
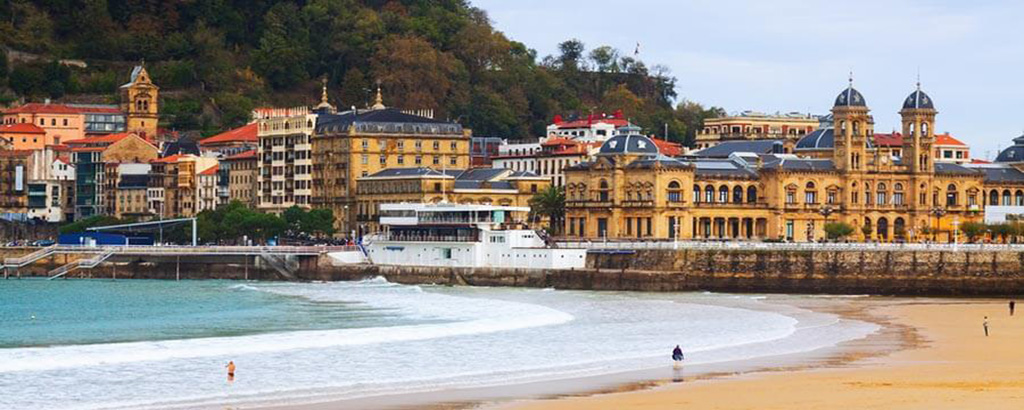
(783, 246)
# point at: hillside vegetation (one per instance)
(217, 59)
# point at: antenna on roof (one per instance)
(851, 77)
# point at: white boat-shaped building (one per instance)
(471, 236)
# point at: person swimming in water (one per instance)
(231, 371)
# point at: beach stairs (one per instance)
(88, 263)
(285, 268)
(12, 264)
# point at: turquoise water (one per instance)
(36, 312)
(298, 343)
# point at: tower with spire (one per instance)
(918, 117)
(324, 105)
(853, 128)
(378, 101)
(140, 101)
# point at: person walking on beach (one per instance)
(677, 355)
(985, 325)
(1013, 304)
(231, 371)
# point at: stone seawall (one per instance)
(890, 272)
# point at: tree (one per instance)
(1002, 230)
(414, 72)
(838, 230)
(972, 230)
(92, 221)
(550, 203)
(692, 115)
(284, 51)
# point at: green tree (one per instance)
(284, 51)
(838, 230)
(866, 231)
(92, 221)
(972, 230)
(550, 203)
(1002, 230)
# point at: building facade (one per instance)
(90, 157)
(631, 191)
(140, 102)
(358, 143)
(481, 186)
(237, 178)
(752, 126)
(284, 159)
(14, 165)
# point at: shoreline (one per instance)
(889, 338)
(938, 369)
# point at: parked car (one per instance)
(44, 242)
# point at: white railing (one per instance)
(201, 250)
(785, 246)
(27, 259)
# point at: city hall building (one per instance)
(835, 173)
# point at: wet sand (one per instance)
(947, 363)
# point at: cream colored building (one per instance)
(284, 159)
(751, 125)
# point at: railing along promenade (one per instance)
(174, 250)
(599, 244)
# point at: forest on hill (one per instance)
(217, 59)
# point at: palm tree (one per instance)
(549, 203)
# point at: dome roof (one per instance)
(918, 99)
(850, 97)
(821, 138)
(623, 144)
(1013, 153)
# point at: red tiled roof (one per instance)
(946, 139)
(246, 133)
(554, 141)
(172, 158)
(586, 123)
(87, 149)
(668, 148)
(888, 140)
(22, 128)
(211, 170)
(15, 152)
(36, 108)
(980, 161)
(242, 155)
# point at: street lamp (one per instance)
(937, 212)
(825, 212)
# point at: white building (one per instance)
(480, 236)
(284, 161)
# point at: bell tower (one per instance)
(853, 128)
(140, 101)
(918, 117)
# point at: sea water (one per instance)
(97, 344)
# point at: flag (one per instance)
(637, 51)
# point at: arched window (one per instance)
(810, 195)
(737, 195)
(897, 195)
(751, 195)
(723, 194)
(709, 194)
(951, 196)
(1006, 197)
(1018, 198)
(696, 193)
(603, 191)
(993, 197)
(883, 228)
(674, 192)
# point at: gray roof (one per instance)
(953, 169)
(1013, 153)
(821, 138)
(798, 164)
(723, 168)
(387, 120)
(918, 99)
(405, 172)
(1002, 174)
(726, 148)
(850, 98)
(659, 160)
(628, 144)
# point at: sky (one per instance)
(788, 55)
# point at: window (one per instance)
(366, 144)
(65, 122)
(830, 197)
(709, 194)
(455, 146)
(419, 145)
(419, 160)
(437, 145)
(454, 160)
(383, 160)
(696, 194)
(751, 195)
(437, 160)
(723, 194)
(811, 197)
(401, 144)
(674, 195)
(401, 159)
(897, 198)
(790, 197)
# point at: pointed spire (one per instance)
(851, 79)
(378, 101)
(918, 78)
(324, 103)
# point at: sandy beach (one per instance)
(951, 365)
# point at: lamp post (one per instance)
(825, 212)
